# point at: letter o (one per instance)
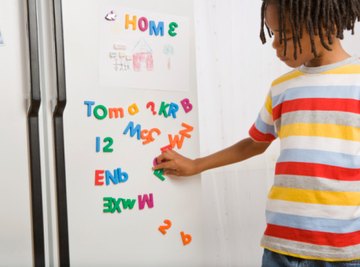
(143, 24)
(104, 112)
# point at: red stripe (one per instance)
(317, 170)
(314, 237)
(323, 104)
(259, 136)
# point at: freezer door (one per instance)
(21, 225)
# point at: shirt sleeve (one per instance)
(263, 130)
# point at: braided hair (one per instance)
(323, 18)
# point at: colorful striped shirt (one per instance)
(313, 207)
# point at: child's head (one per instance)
(302, 28)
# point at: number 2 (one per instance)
(163, 228)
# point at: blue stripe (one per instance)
(264, 127)
(313, 224)
(321, 157)
(344, 92)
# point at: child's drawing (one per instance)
(169, 51)
(137, 51)
(143, 57)
(120, 59)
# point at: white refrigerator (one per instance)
(92, 91)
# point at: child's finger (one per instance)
(159, 159)
(171, 172)
(165, 156)
(163, 165)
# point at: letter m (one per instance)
(156, 29)
(133, 130)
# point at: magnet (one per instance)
(163, 228)
(111, 16)
(186, 238)
(155, 162)
(159, 174)
(187, 106)
(145, 199)
(168, 147)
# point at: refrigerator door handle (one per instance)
(60, 103)
(34, 138)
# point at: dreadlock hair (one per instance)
(324, 18)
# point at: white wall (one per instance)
(234, 74)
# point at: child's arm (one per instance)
(176, 164)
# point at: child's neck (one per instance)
(326, 57)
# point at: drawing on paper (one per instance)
(121, 60)
(143, 57)
(168, 50)
(144, 50)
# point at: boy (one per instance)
(313, 209)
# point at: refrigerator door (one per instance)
(121, 85)
(21, 227)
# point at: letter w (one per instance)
(145, 199)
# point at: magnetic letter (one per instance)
(164, 148)
(173, 109)
(104, 111)
(122, 176)
(151, 105)
(99, 177)
(128, 21)
(133, 131)
(143, 24)
(187, 106)
(116, 203)
(163, 108)
(108, 204)
(185, 132)
(148, 135)
(156, 29)
(175, 141)
(159, 174)
(97, 144)
(163, 228)
(128, 203)
(110, 177)
(89, 104)
(133, 109)
(172, 27)
(145, 199)
(186, 238)
(116, 112)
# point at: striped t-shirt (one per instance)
(313, 208)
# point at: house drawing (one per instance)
(143, 57)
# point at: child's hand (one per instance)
(175, 164)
